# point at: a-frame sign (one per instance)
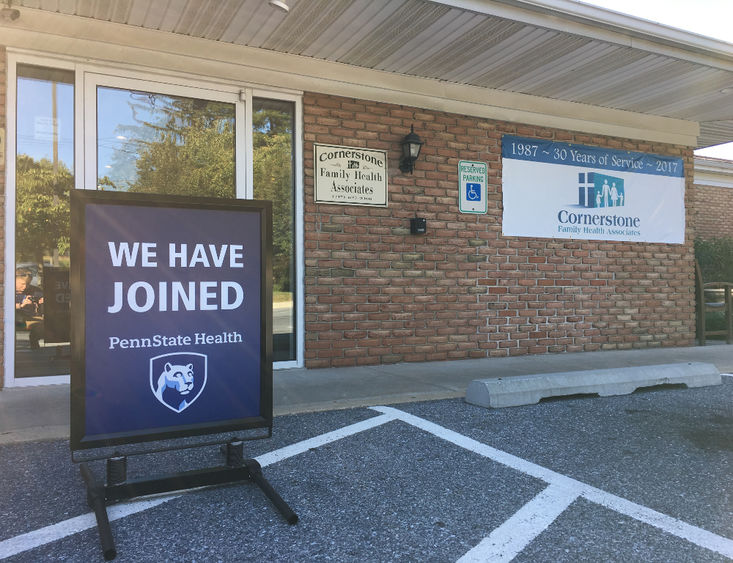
(171, 337)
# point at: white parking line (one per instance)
(509, 539)
(55, 532)
(681, 529)
(323, 439)
(674, 526)
(60, 530)
(503, 544)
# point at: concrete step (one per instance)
(529, 389)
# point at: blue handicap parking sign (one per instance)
(473, 191)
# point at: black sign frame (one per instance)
(80, 439)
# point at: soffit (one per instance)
(554, 49)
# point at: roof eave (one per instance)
(599, 23)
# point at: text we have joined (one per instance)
(171, 295)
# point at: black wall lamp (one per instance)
(411, 145)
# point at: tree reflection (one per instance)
(42, 209)
(173, 145)
(273, 181)
(42, 247)
(183, 146)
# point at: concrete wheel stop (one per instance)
(521, 390)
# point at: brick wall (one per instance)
(376, 294)
(713, 212)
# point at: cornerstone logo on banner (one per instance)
(598, 190)
(560, 190)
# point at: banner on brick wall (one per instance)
(562, 190)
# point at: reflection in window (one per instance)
(274, 180)
(43, 180)
(155, 143)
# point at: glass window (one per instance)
(178, 141)
(274, 179)
(43, 181)
(157, 143)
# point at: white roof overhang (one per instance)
(713, 172)
(555, 63)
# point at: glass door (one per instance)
(44, 177)
(149, 137)
(174, 139)
(85, 128)
(273, 155)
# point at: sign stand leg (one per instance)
(235, 458)
(96, 501)
(116, 470)
(119, 488)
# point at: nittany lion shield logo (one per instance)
(178, 379)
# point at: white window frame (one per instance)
(87, 78)
(9, 311)
(299, 242)
(93, 80)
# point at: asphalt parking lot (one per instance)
(642, 477)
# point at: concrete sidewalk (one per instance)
(41, 413)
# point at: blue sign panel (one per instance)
(553, 152)
(473, 192)
(173, 336)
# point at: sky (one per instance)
(712, 18)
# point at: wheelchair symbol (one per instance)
(473, 192)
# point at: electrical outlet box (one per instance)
(418, 226)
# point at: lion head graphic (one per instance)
(176, 386)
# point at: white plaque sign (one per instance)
(350, 175)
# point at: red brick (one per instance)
(541, 295)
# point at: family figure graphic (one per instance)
(599, 190)
(617, 199)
